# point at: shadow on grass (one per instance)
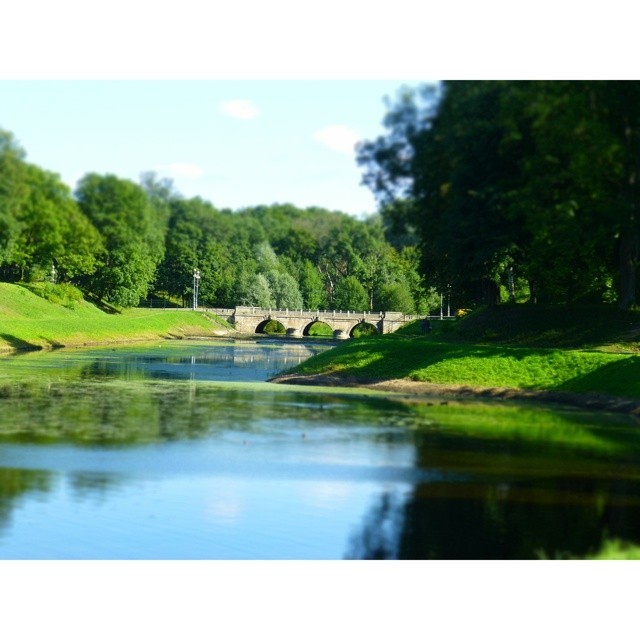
(618, 378)
(19, 344)
(102, 305)
(388, 357)
(402, 358)
(548, 326)
(52, 343)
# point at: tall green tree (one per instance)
(122, 213)
(13, 188)
(256, 292)
(312, 287)
(54, 234)
(536, 178)
(350, 295)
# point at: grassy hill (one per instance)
(59, 316)
(525, 348)
(601, 327)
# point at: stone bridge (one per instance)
(297, 321)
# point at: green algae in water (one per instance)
(325, 470)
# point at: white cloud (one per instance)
(241, 109)
(182, 170)
(337, 137)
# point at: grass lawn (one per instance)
(31, 321)
(617, 550)
(424, 359)
(601, 327)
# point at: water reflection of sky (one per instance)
(144, 453)
(241, 362)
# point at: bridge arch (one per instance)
(317, 328)
(295, 321)
(271, 325)
(362, 329)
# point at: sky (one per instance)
(254, 103)
(234, 143)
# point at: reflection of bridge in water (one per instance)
(297, 322)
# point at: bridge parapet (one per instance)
(225, 314)
(248, 319)
(295, 321)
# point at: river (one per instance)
(181, 450)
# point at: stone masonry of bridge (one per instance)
(297, 321)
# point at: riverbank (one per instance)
(31, 322)
(444, 393)
(429, 368)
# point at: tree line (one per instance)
(123, 242)
(515, 190)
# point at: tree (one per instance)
(41, 227)
(398, 222)
(282, 285)
(396, 297)
(13, 187)
(256, 292)
(312, 287)
(618, 101)
(539, 179)
(121, 212)
(54, 233)
(350, 295)
(285, 290)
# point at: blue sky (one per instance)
(141, 85)
(235, 143)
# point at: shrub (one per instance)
(63, 294)
(363, 330)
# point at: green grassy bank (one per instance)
(617, 550)
(582, 353)
(601, 327)
(30, 321)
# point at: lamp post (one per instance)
(196, 286)
(512, 291)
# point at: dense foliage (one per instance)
(515, 190)
(123, 243)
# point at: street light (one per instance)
(196, 286)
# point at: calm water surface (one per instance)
(180, 450)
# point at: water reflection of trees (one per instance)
(16, 484)
(536, 482)
(511, 507)
(92, 485)
(134, 412)
(379, 537)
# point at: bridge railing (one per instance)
(218, 312)
(327, 313)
